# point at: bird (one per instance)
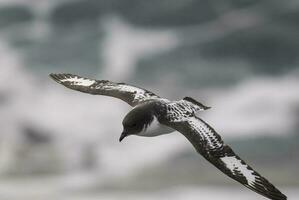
(152, 115)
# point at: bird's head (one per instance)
(135, 122)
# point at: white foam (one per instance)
(125, 44)
(256, 107)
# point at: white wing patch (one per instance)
(79, 81)
(139, 93)
(235, 164)
(131, 94)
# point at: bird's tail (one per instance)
(196, 103)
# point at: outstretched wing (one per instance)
(130, 94)
(209, 144)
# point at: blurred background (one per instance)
(240, 57)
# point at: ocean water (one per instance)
(53, 189)
(46, 129)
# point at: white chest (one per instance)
(155, 129)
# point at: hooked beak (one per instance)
(122, 136)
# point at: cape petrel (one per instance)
(152, 116)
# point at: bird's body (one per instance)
(153, 126)
(152, 115)
(161, 111)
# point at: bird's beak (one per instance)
(122, 136)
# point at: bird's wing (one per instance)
(210, 145)
(128, 93)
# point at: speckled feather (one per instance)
(180, 116)
(210, 145)
(130, 94)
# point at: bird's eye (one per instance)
(134, 125)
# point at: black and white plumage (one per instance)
(152, 116)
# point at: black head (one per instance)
(136, 121)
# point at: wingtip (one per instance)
(55, 77)
(52, 76)
(207, 107)
(271, 191)
(284, 197)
